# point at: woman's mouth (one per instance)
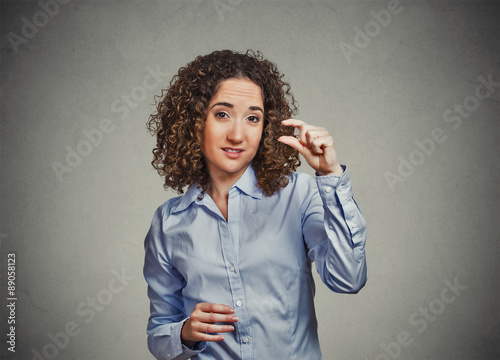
(232, 153)
(232, 150)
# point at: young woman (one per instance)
(228, 263)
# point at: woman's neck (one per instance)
(218, 186)
(218, 189)
(220, 194)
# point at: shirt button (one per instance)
(328, 189)
(169, 355)
(341, 187)
(178, 347)
(231, 269)
(245, 340)
(238, 303)
(351, 225)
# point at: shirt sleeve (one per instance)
(165, 284)
(335, 232)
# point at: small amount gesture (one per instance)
(202, 321)
(316, 145)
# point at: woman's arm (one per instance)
(332, 224)
(334, 230)
(171, 333)
(165, 284)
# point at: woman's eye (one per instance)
(253, 119)
(221, 115)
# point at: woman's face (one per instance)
(233, 128)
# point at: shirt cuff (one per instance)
(335, 189)
(179, 348)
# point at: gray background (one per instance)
(69, 234)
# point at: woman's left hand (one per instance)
(316, 145)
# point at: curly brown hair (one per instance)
(181, 112)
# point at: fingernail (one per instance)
(230, 328)
(235, 318)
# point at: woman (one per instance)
(228, 264)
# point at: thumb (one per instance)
(293, 142)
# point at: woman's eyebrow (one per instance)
(254, 108)
(223, 104)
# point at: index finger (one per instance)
(215, 308)
(293, 122)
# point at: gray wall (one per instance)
(412, 82)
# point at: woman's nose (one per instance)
(235, 132)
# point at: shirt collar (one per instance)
(247, 184)
(191, 195)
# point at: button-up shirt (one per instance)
(258, 262)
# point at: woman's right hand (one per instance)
(202, 321)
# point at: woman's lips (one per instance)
(232, 153)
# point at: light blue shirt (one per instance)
(258, 262)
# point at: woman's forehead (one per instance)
(235, 89)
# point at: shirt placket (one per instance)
(229, 237)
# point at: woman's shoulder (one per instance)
(298, 179)
(165, 209)
(300, 184)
